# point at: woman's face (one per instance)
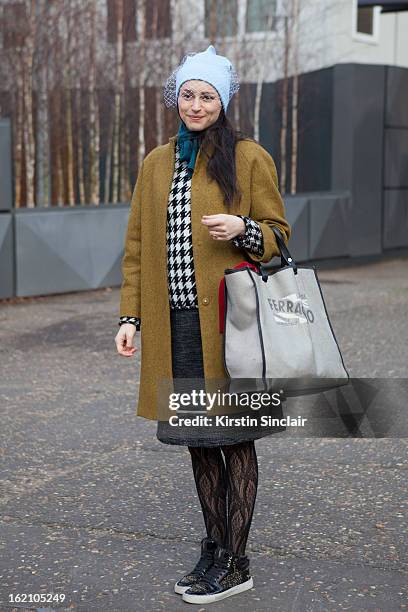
(199, 104)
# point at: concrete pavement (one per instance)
(94, 507)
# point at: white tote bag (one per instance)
(277, 329)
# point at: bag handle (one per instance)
(286, 257)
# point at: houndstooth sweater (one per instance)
(180, 264)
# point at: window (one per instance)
(158, 21)
(128, 23)
(365, 20)
(220, 18)
(260, 15)
(15, 25)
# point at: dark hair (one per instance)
(221, 164)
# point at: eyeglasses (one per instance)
(206, 98)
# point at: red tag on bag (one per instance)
(221, 292)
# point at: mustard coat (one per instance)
(144, 290)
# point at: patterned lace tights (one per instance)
(227, 491)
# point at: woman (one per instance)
(202, 203)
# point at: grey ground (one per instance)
(95, 507)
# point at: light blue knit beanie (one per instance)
(207, 66)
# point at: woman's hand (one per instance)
(223, 227)
(124, 339)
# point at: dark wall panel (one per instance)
(6, 183)
(396, 158)
(329, 225)
(298, 216)
(395, 218)
(6, 255)
(270, 121)
(343, 128)
(397, 97)
(358, 145)
(314, 128)
(68, 249)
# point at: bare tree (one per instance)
(79, 145)
(67, 89)
(17, 124)
(61, 65)
(42, 116)
(262, 50)
(28, 133)
(284, 105)
(118, 88)
(141, 12)
(94, 135)
(295, 96)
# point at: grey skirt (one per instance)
(187, 360)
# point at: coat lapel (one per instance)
(159, 197)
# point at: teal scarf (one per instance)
(189, 144)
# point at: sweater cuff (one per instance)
(252, 239)
(134, 320)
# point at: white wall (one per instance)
(386, 46)
(326, 35)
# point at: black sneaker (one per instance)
(228, 576)
(208, 548)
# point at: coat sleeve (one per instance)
(267, 206)
(130, 289)
(252, 238)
